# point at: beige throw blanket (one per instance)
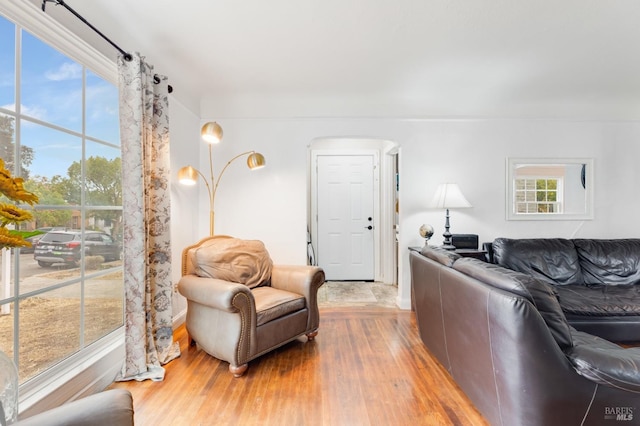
(242, 261)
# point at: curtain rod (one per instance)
(127, 56)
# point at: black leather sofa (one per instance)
(597, 282)
(502, 336)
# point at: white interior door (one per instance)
(345, 216)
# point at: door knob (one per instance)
(369, 227)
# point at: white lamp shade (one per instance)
(449, 196)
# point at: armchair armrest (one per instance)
(108, 408)
(218, 294)
(304, 280)
(300, 279)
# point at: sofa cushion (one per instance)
(272, 303)
(440, 255)
(610, 262)
(604, 362)
(553, 260)
(232, 259)
(600, 300)
(540, 294)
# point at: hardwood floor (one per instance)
(367, 366)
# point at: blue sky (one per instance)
(51, 91)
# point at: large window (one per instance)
(59, 131)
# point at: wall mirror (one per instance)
(549, 188)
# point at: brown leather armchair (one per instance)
(238, 322)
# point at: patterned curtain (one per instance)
(144, 132)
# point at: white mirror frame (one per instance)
(513, 163)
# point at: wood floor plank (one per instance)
(367, 366)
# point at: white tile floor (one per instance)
(357, 293)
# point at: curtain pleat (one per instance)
(144, 132)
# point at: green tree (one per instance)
(48, 195)
(103, 187)
(7, 148)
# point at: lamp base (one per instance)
(447, 244)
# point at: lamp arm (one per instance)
(207, 184)
(215, 188)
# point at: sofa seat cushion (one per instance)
(553, 260)
(272, 303)
(600, 300)
(611, 262)
(540, 294)
(604, 362)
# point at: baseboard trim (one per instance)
(179, 319)
(403, 303)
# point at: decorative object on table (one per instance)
(465, 241)
(212, 134)
(426, 232)
(449, 196)
(8, 390)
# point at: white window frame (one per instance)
(558, 204)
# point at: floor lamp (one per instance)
(188, 175)
(449, 196)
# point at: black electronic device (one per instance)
(465, 241)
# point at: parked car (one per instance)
(34, 240)
(65, 246)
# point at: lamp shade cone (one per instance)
(449, 196)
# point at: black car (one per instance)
(65, 246)
(34, 240)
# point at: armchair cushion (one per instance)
(272, 303)
(232, 259)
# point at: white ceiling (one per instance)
(409, 58)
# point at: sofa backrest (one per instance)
(540, 294)
(611, 262)
(553, 260)
(440, 255)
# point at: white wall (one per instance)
(271, 204)
(184, 136)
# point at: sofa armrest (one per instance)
(604, 362)
(218, 294)
(112, 407)
(300, 279)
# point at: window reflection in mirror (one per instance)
(549, 189)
